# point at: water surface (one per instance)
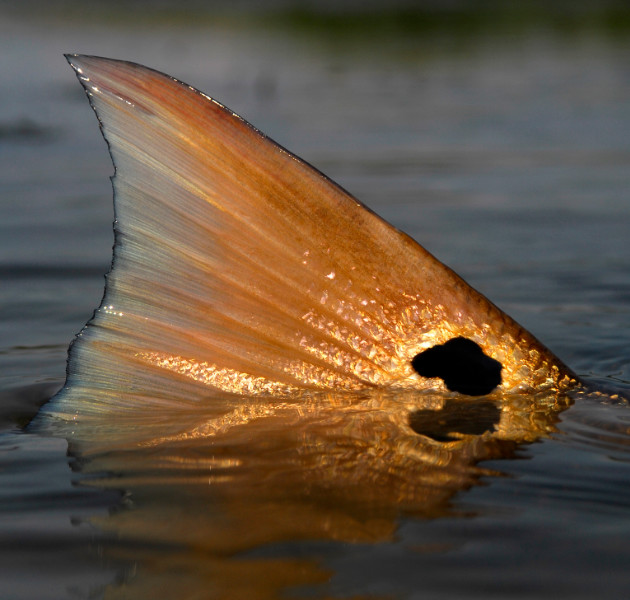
(508, 159)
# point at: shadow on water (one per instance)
(214, 503)
(19, 405)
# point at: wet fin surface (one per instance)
(239, 268)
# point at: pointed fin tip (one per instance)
(74, 59)
(81, 62)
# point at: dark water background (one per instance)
(505, 152)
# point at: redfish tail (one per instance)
(240, 268)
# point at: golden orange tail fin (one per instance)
(240, 268)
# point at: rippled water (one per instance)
(506, 158)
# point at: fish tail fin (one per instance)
(239, 268)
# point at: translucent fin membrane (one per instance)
(240, 268)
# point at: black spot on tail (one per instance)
(462, 365)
